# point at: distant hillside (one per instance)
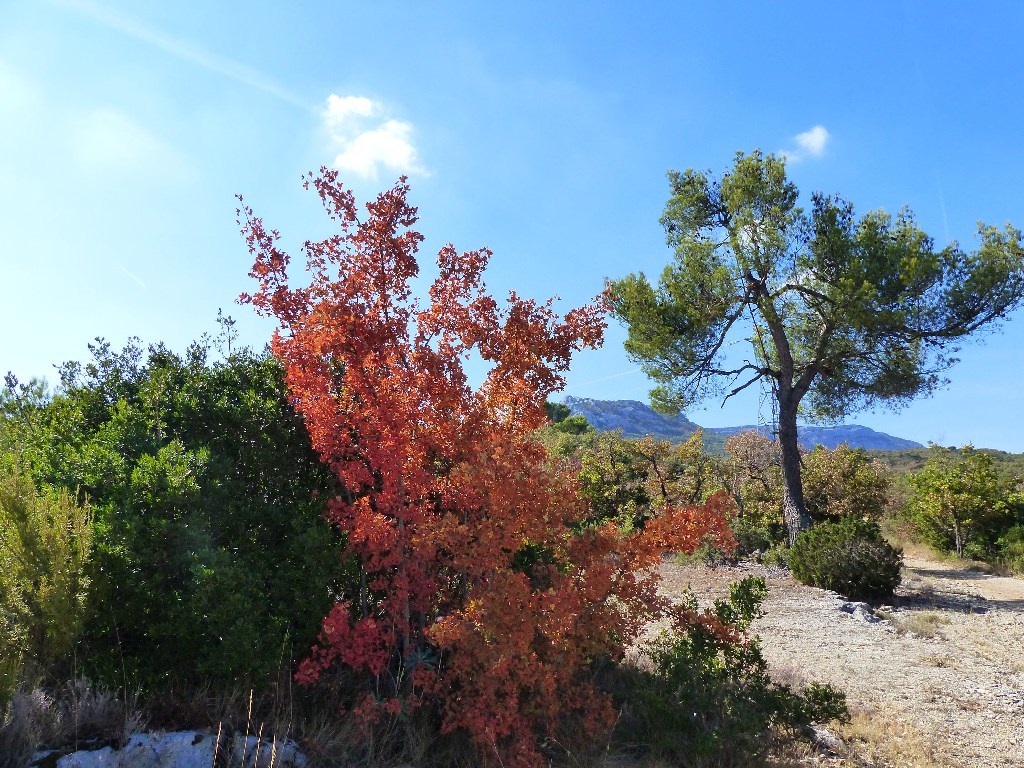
(1009, 466)
(637, 419)
(634, 418)
(856, 435)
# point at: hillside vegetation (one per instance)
(187, 548)
(344, 541)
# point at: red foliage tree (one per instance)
(483, 596)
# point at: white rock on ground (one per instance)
(185, 749)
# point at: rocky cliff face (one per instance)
(637, 419)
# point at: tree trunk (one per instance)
(793, 512)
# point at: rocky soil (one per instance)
(939, 673)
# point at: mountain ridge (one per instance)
(637, 419)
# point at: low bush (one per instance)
(710, 554)
(776, 557)
(849, 557)
(697, 699)
(758, 534)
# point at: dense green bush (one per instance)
(756, 534)
(849, 557)
(699, 700)
(212, 562)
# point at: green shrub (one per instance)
(45, 541)
(959, 502)
(696, 699)
(849, 557)
(752, 471)
(776, 557)
(757, 534)
(1011, 548)
(708, 554)
(844, 482)
(212, 563)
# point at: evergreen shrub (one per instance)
(700, 700)
(849, 557)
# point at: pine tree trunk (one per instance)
(793, 512)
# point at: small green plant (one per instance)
(849, 557)
(776, 557)
(757, 534)
(698, 699)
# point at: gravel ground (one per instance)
(946, 660)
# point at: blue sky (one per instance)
(541, 130)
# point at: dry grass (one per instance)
(924, 624)
(941, 661)
(879, 737)
(82, 714)
(28, 722)
(76, 715)
(874, 738)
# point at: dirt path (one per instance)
(995, 589)
(943, 668)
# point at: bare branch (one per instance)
(743, 386)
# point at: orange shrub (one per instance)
(483, 595)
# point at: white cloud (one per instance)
(365, 141)
(342, 109)
(813, 142)
(810, 143)
(388, 146)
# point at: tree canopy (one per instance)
(956, 495)
(841, 312)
